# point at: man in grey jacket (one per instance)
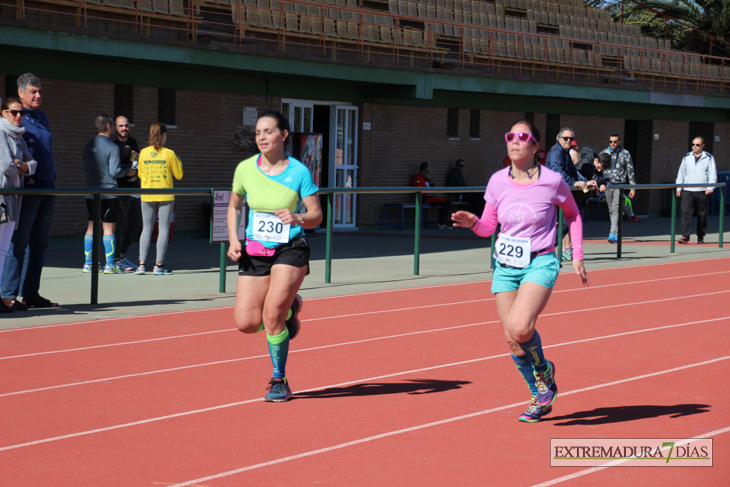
(102, 167)
(622, 172)
(698, 167)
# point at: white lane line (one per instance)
(341, 384)
(430, 425)
(93, 347)
(355, 342)
(166, 313)
(618, 462)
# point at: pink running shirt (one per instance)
(529, 210)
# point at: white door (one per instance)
(343, 162)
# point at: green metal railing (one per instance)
(329, 216)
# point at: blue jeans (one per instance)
(24, 262)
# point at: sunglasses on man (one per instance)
(568, 139)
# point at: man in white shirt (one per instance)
(698, 167)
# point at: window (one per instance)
(123, 102)
(11, 86)
(452, 123)
(166, 99)
(474, 120)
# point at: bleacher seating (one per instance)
(543, 34)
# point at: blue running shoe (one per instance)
(613, 238)
(568, 254)
(293, 324)
(547, 390)
(87, 268)
(279, 390)
(535, 412)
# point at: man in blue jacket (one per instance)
(559, 160)
(33, 230)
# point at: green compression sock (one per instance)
(279, 350)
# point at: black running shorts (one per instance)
(108, 210)
(294, 253)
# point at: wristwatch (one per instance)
(302, 224)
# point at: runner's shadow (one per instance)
(627, 413)
(416, 386)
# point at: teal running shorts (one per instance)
(542, 270)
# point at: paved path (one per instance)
(364, 261)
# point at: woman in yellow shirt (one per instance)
(157, 166)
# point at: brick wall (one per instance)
(404, 136)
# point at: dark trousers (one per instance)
(24, 262)
(692, 200)
(130, 211)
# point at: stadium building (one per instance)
(388, 83)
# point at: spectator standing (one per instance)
(423, 180)
(560, 161)
(698, 167)
(622, 171)
(102, 168)
(33, 228)
(15, 163)
(157, 166)
(130, 208)
(455, 178)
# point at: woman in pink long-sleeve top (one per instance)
(523, 198)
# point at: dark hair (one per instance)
(102, 121)
(423, 166)
(157, 132)
(615, 135)
(533, 130)
(604, 159)
(14, 99)
(693, 138)
(244, 138)
(459, 161)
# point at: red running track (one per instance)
(408, 387)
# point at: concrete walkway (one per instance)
(364, 261)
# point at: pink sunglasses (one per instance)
(522, 136)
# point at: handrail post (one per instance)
(620, 234)
(560, 234)
(674, 220)
(96, 241)
(328, 241)
(417, 236)
(222, 271)
(722, 216)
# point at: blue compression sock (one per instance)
(109, 243)
(524, 366)
(533, 350)
(88, 247)
(279, 350)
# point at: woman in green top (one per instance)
(282, 201)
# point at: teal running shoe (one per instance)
(293, 324)
(279, 390)
(535, 412)
(547, 390)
